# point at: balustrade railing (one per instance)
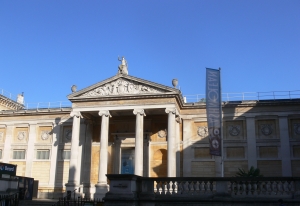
(235, 187)
(189, 189)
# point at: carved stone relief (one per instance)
(266, 129)
(68, 134)
(234, 130)
(297, 128)
(121, 86)
(202, 131)
(162, 133)
(21, 135)
(45, 135)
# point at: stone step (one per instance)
(36, 202)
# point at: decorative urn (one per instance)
(174, 82)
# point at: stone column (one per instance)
(101, 186)
(171, 142)
(177, 147)
(285, 147)
(73, 168)
(251, 142)
(30, 149)
(7, 144)
(87, 155)
(139, 136)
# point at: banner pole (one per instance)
(222, 142)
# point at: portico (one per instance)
(125, 110)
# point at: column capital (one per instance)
(172, 110)
(105, 113)
(75, 114)
(178, 119)
(139, 111)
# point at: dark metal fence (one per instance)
(72, 200)
(9, 200)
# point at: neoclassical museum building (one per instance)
(128, 125)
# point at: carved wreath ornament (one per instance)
(202, 131)
(21, 135)
(68, 134)
(234, 130)
(266, 129)
(45, 135)
(297, 128)
(162, 133)
(122, 86)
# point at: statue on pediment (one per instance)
(123, 67)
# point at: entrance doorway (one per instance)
(127, 161)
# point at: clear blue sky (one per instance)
(47, 46)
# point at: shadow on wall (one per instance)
(160, 163)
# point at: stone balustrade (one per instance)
(145, 191)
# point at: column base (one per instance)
(87, 190)
(71, 186)
(75, 190)
(100, 190)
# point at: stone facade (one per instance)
(133, 126)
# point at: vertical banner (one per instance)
(214, 111)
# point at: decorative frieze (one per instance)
(122, 86)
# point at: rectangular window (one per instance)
(19, 154)
(42, 154)
(66, 154)
(0, 153)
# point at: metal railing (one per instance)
(48, 105)
(242, 96)
(9, 199)
(7, 94)
(72, 199)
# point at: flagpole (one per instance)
(222, 146)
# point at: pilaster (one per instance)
(251, 142)
(54, 150)
(177, 145)
(7, 144)
(30, 149)
(285, 147)
(187, 151)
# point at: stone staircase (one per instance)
(36, 202)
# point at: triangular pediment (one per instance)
(123, 85)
